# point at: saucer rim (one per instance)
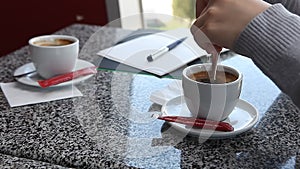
(30, 82)
(209, 134)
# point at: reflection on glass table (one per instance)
(143, 130)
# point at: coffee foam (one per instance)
(53, 42)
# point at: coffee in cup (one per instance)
(53, 55)
(54, 42)
(209, 98)
(206, 77)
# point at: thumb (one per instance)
(218, 48)
(212, 49)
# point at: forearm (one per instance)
(291, 5)
(272, 40)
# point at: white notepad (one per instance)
(135, 52)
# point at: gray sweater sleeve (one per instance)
(291, 5)
(272, 40)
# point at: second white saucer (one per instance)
(32, 78)
(243, 117)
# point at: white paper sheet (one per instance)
(135, 52)
(18, 94)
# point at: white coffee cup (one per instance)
(211, 100)
(54, 54)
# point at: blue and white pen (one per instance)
(164, 50)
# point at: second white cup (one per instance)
(214, 101)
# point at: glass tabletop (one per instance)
(125, 129)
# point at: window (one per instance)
(168, 14)
(152, 14)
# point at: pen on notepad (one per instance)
(164, 50)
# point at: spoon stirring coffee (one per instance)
(215, 57)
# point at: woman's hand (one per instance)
(221, 21)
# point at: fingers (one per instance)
(218, 48)
(200, 6)
(200, 36)
(199, 24)
(203, 41)
(200, 28)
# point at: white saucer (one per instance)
(243, 118)
(32, 78)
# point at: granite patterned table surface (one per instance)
(110, 126)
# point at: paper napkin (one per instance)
(163, 95)
(19, 95)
